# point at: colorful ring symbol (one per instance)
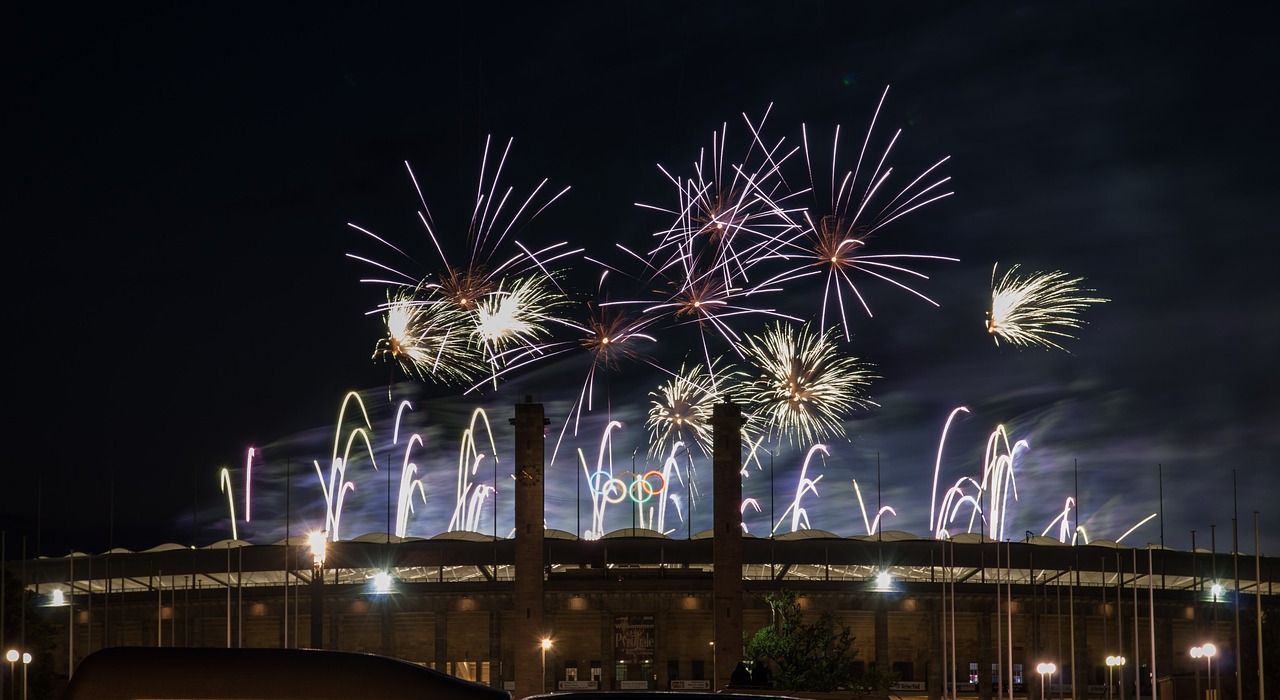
(615, 490)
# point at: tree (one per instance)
(816, 656)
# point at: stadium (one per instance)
(636, 609)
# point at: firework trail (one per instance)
(997, 485)
(1035, 309)
(493, 218)
(872, 526)
(427, 338)
(469, 498)
(224, 485)
(605, 489)
(728, 215)
(831, 237)
(803, 388)
(337, 485)
(804, 486)
(408, 484)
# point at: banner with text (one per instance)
(633, 638)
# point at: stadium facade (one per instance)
(639, 610)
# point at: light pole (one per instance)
(713, 666)
(1045, 669)
(1112, 662)
(1206, 651)
(26, 659)
(546, 644)
(12, 657)
(318, 541)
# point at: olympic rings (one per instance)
(615, 490)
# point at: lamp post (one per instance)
(1206, 651)
(318, 541)
(546, 644)
(1112, 662)
(713, 665)
(1045, 669)
(26, 660)
(12, 658)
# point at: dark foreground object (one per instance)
(135, 673)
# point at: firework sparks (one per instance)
(1035, 309)
(804, 388)
(432, 318)
(727, 216)
(493, 219)
(832, 243)
(516, 317)
(427, 339)
(680, 409)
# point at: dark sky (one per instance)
(180, 181)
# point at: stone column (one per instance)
(726, 431)
(529, 629)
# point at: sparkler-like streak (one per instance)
(998, 480)
(408, 484)
(830, 239)
(1135, 527)
(872, 526)
(469, 498)
(224, 485)
(804, 486)
(997, 484)
(600, 482)
(1035, 309)
(748, 503)
(937, 467)
(337, 485)
(803, 387)
(248, 481)
(1063, 522)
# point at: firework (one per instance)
(680, 409)
(803, 387)
(1035, 309)
(432, 318)
(517, 317)
(728, 214)
(831, 239)
(707, 302)
(427, 338)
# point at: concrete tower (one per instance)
(530, 451)
(726, 434)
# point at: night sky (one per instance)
(180, 180)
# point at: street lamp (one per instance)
(1206, 651)
(1045, 669)
(713, 665)
(318, 541)
(26, 659)
(12, 658)
(545, 645)
(1112, 662)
